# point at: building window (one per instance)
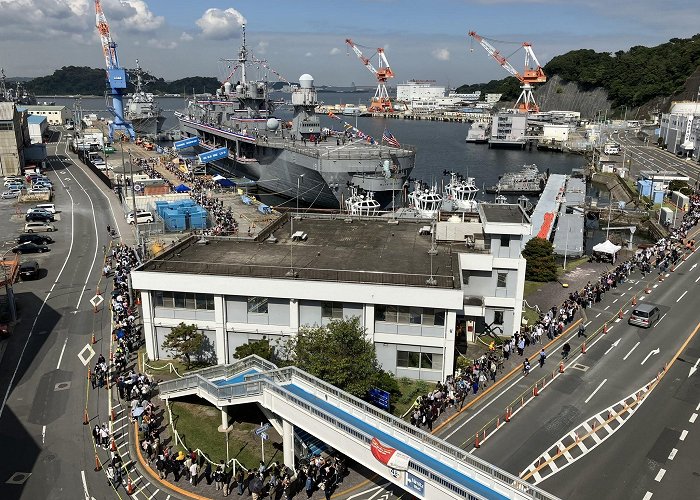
(404, 315)
(380, 312)
(501, 280)
(181, 300)
(498, 317)
(204, 301)
(6, 126)
(505, 241)
(407, 359)
(466, 274)
(415, 315)
(332, 310)
(257, 305)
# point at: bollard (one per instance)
(113, 446)
(86, 419)
(634, 300)
(113, 416)
(605, 327)
(476, 441)
(522, 401)
(535, 391)
(94, 340)
(561, 367)
(98, 465)
(498, 422)
(583, 348)
(507, 419)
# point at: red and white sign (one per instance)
(391, 457)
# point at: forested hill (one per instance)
(82, 80)
(630, 78)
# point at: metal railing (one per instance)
(422, 441)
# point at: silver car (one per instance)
(644, 315)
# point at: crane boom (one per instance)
(380, 101)
(496, 55)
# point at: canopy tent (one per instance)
(607, 247)
(217, 177)
(182, 189)
(224, 182)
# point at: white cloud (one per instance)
(132, 15)
(261, 47)
(186, 37)
(334, 51)
(308, 54)
(220, 24)
(159, 43)
(441, 54)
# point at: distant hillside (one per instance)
(82, 80)
(630, 78)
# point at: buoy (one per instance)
(583, 348)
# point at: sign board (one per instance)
(264, 436)
(415, 484)
(186, 143)
(261, 430)
(215, 154)
(379, 398)
(391, 457)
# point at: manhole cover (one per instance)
(19, 478)
(61, 386)
(579, 366)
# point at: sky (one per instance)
(426, 40)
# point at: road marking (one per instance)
(683, 435)
(662, 317)
(626, 311)
(606, 308)
(58, 365)
(610, 328)
(679, 298)
(154, 494)
(642, 297)
(655, 285)
(614, 301)
(614, 344)
(43, 434)
(587, 324)
(623, 294)
(692, 418)
(651, 353)
(697, 279)
(672, 455)
(628, 354)
(630, 288)
(598, 314)
(660, 475)
(85, 490)
(597, 389)
(697, 408)
(618, 320)
(647, 496)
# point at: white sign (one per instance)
(86, 354)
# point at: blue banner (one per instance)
(215, 154)
(186, 143)
(379, 398)
(415, 484)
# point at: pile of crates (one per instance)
(182, 215)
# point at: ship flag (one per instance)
(389, 138)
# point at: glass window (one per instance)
(505, 241)
(437, 362)
(501, 280)
(205, 302)
(179, 300)
(158, 299)
(168, 300)
(498, 317)
(379, 312)
(210, 302)
(404, 315)
(426, 360)
(428, 316)
(190, 302)
(415, 315)
(407, 359)
(466, 274)
(257, 305)
(332, 310)
(392, 313)
(440, 317)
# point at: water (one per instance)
(441, 146)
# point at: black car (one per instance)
(29, 270)
(39, 217)
(30, 247)
(34, 238)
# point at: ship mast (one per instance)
(243, 56)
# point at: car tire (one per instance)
(30, 231)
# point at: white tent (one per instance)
(607, 247)
(218, 177)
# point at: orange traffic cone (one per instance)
(673, 268)
(619, 314)
(561, 367)
(94, 340)
(86, 419)
(605, 327)
(130, 487)
(583, 348)
(113, 416)
(647, 290)
(113, 446)
(507, 419)
(476, 441)
(98, 465)
(634, 300)
(535, 391)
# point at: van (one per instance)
(644, 315)
(49, 207)
(141, 217)
(37, 227)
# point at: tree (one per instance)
(341, 354)
(260, 347)
(539, 254)
(186, 341)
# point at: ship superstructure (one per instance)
(293, 158)
(142, 110)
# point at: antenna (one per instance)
(432, 252)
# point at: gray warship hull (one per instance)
(151, 126)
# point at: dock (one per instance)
(568, 235)
(544, 216)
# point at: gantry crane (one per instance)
(380, 101)
(526, 102)
(116, 75)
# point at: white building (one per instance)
(508, 129)
(417, 306)
(37, 128)
(14, 137)
(680, 129)
(419, 90)
(557, 131)
(493, 98)
(55, 115)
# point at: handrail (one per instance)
(255, 384)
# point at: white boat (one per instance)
(426, 201)
(462, 193)
(361, 205)
(478, 133)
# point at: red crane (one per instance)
(380, 102)
(530, 75)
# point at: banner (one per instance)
(391, 457)
(186, 143)
(215, 154)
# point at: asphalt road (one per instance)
(47, 452)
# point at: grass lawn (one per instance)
(163, 368)
(531, 288)
(572, 264)
(530, 315)
(197, 426)
(410, 390)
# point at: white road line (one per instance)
(60, 358)
(655, 285)
(610, 328)
(623, 294)
(628, 354)
(662, 317)
(697, 279)
(679, 298)
(587, 324)
(692, 418)
(642, 297)
(85, 490)
(683, 435)
(647, 496)
(615, 300)
(122, 445)
(598, 314)
(154, 494)
(43, 434)
(672, 455)
(606, 308)
(630, 288)
(597, 389)
(660, 475)
(697, 408)
(168, 497)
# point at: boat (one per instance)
(426, 201)
(460, 193)
(529, 180)
(17, 94)
(290, 159)
(142, 110)
(361, 205)
(478, 133)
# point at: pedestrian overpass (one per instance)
(433, 469)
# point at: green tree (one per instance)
(341, 354)
(260, 347)
(186, 341)
(539, 254)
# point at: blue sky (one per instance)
(423, 39)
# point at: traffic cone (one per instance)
(94, 340)
(86, 419)
(98, 290)
(113, 446)
(130, 487)
(476, 441)
(619, 314)
(583, 348)
(98, 465)
(507, 414)
(605, 327)
(647, 290)
(634, 300)
(535, 391)
(113, 416)
(561, 367)
(661, 277)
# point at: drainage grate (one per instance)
(579, 366)
(19, 478)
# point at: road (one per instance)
(48, 452)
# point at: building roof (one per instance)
(361, 251)
(508, 213)
(37, 119)
(41, 107)
(7, 111)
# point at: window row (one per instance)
(405, 315)
(183, 300)
(423, 360)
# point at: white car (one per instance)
(39, 190)
(6, 195)
(141, 217)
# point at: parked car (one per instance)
(644, 315)
(13, 182)
(42, 216)
(141, 217)
(39, 190)
(6, 195)
(38, 227)
(15, 187)
(49, 207)
(30, 247)
(29, 270)
(34, 238)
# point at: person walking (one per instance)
(543, 356)
(582, 331)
